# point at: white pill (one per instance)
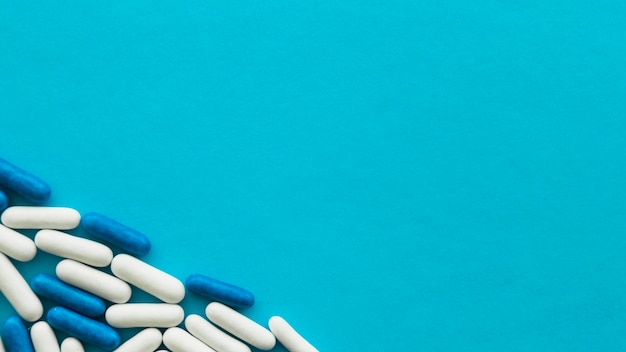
(80, 249)
(179, 340)
(148, 278)
(43, 338)
(1, 346)
(289, 337)
(240, 326)
(93, 280)
(16, 245)
(18, 292)
(57, 218)
(147, 340)
(71, 344)
(136, 315)
(212, 336)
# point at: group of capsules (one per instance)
(82, 291)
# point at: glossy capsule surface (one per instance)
(23, 183)
(111, 231)
(83, 328)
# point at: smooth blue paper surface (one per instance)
(385, 175)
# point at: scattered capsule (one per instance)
(83, 328)
(147, 340)
(67, 296)
(4, 200)
(113, 232)
(216, 290)
(43, 337)
(93, 280)
(179, 340)
(72, 247)
(58, 218)
(16, 245)
(15, 336)
(23, 183)
(133, 315)
(289, 337)
(17, 291)
(72, 344)
(240, 326)
(212, 336)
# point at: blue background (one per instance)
(386, 175)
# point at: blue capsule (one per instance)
(23, 183)
(223, 292)
(67, 296)
(85, 329)
(113, 232)
(15, 336)
(4, 200)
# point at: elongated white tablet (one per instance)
(72, 344)
(147, 340)
(137, 315)
(18, 292)
(179, 340)
(212, 336)
(288, 336)
(67, 246)
(2, 346)
(148, 278)
(240, 326)
(44, 338)
(16, 245)
(93, 280)
(58, 218)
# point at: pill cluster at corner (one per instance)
(92, 304)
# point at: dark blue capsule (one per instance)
(15, 336)
(23, 183)
(85, 329)
(4, 200)
(216, 290)
(111, 231)
(67, 296)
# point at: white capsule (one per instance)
(240, 326)
(93, 280)
(147, 340)
(212, 336)
(80, 249)
(18, 292)
(71, 344)
(179, 340)
(148, 278)
(288, 336)
(58, 218)
(16, 245)
(43, 338)
(1, 346)
(137, 315)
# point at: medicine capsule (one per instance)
(72, 247)
(43, 338)
(216, 290)
(94, 281)
(15, 336)
(23, 183)
(133, 315)
(16, 245)
(148, 278)
(67, 296)
(179, 340)
(71, 344)
(113, 232)
(147, 340)
(240, 326)
(289, 337)
(4, 201)
(83, 328)
(215, 338)
(23, 217)
(17, 291)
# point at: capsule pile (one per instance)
(92, 304)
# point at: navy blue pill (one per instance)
(23, 183)
(85, 329)
(111, 231)
(216, 290)
(67, 296)
(15, 336)
(4, 200)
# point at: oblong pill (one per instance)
(111, 231)
(134, 315)
(85, 329)
(288, 336)
(43, 337)
(240, 326)
(216, 290)
(148, 278)
(147, 340)
(93, 280)
(4, 200)
(67, 246)
(212, 336)
(67, 296)
(17, 291)
(23, 217)
(23, 183)
(71, 344)
(179, 340)
(15, 336)
(16, 245)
